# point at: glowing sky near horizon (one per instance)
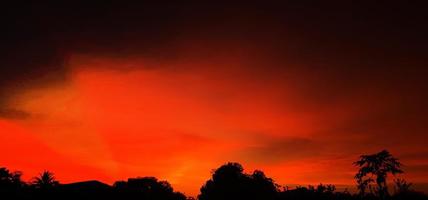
(178, 121)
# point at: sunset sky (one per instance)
(111, 91)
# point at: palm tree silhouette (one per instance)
(375, 168)
(46, 179)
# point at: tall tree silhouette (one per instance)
(375, 168)
(45, 180)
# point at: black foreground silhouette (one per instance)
(228, 182)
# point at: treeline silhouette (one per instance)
(228, 182)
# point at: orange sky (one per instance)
(179, 119)
(108, 91)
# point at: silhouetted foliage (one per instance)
(10, 179)
(228, 182)
(320, 192)
(11, 184)
(375, 168)
(402, 185)
(45, 180)
(147, 188)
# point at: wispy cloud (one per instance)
(9, 113)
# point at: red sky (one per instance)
(178, 121)
(108, 92)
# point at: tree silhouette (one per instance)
(11, 185)
(375, 168)
(8, 178)
(147, 188)
(45, 180)
(230, 182)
